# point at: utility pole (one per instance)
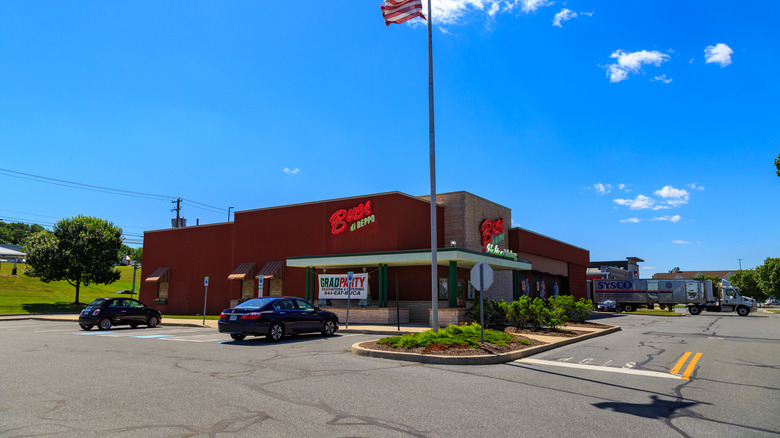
(229, 208)
(177, 209)
(740, 264)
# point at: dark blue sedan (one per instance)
(274, 317)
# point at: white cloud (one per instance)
(641, 202)
(289, 171)
(647, 267)
(456, 11)
(681, 242)
(624, 188)
(564, 15)
(632, 220)
(602, 189)
(532, 5)
(663, 79)
(632, 63)
(695, 186)
(673, 197)
(718, 54)
(675, 218)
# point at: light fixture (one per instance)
(453, 243)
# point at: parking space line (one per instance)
(599, 368)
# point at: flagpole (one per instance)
(432, 141)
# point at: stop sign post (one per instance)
(481, 279)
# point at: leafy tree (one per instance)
(769, 277)
(777, 164)
(13, 233)
(80, 250)
(137, 255)
(747, 282)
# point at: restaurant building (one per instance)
(298, 250)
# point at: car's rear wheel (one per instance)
(86, 326)
(104, 324)
(275, 332)
(238, 336)
(329, 327)
(152, 321)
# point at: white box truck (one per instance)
(697, 295)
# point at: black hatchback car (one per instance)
(274, 317)
(107, 312)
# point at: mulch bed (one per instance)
(448, 350)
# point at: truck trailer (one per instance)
(696, 295)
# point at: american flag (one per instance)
(399, 11)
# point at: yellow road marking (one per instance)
(689, 370)
(680, 363)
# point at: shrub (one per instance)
(494, 313)
(582, 309)
(458, 335)
(518, 311)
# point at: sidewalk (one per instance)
(386, 330)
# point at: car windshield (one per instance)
(254, 303)
(96, 302)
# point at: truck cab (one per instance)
(731, 301)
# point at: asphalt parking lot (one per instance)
(192, 381)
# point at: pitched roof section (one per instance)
(159, 274)
(271, 269)
(243, 271)
(691, 274)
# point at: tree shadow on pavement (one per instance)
(656, 409)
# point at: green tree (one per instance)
(137, 255)
(80, 250)
(777, 164)
(769, 277)
(13, 233)
(747, 282)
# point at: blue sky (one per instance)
(644, 129)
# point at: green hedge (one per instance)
(555, 312)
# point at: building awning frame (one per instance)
(463, 257)
(273, 269)
(159, 275)
(243, 271)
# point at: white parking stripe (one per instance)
(600, 368)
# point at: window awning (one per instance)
(272, 269)
(243, 271)
(159, 274)
(463, 257)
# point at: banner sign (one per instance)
(334, 287)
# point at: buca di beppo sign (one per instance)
(356, 217)
(492, 235)
(334, 287)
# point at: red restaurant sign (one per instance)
(357, 216)
(491, 228)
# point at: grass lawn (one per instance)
(22, 294)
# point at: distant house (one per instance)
(678, 274)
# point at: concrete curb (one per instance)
(487, 359)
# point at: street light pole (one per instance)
(229, 208)
(740, 264)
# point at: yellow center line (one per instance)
(689, 370)
(680, 363)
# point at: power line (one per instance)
(102, 189)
